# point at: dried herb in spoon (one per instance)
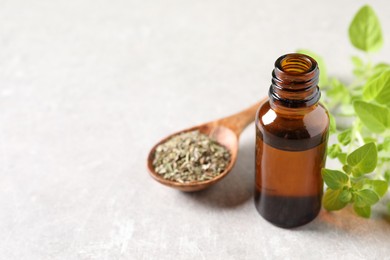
(190, 157)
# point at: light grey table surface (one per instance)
(86, 89)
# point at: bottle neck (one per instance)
(294, 83)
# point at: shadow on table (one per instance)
(237, 187)
(346, 221)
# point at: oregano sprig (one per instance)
(363, 146)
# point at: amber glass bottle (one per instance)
(291, 137)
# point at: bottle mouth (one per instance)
(296, 64)
(295, 81)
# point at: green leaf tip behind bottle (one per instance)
(323, 79)
(365, 31)
(334, 150)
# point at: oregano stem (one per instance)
(355, 135)
(359, 138)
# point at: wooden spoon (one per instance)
(225, 131)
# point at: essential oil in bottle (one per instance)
(291, 138)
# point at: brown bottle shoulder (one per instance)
(300, 129)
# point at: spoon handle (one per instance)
(238, 122)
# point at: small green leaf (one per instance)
(358, 72)
(363, 160)
(342, 158)
(387, 176)
(334, 150)
(345, 136)
(374, 117)
(338, 92)
(323, 81)
(347, 169)
(382, 66)
(379, 69)
(365, 198)
(334, 179)
(386, 144)
(357, 61)
(364, 212)
(378, 88)
(345, 196)
(365, 32)
(331, 200)
(379, 186)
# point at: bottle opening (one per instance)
(294, 81)
(296, 64)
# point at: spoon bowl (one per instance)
(225, 131)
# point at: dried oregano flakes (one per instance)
(190, 157)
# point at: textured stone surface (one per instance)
(86, 89)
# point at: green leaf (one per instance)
(379, 69)
(345, 136)
(364, 212)
(331, 200)
(345, 196)
(334, 179)
(365, 198)
(378, 186)
(358, 72)
(342, 158)
(374, 117)
(357, 62)
(347, 169)
(338, 92)
(365, 31)
(386, 144)
(323, 80)
(334, 150)
(363, 160)
(387, 176)
(378, 88)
